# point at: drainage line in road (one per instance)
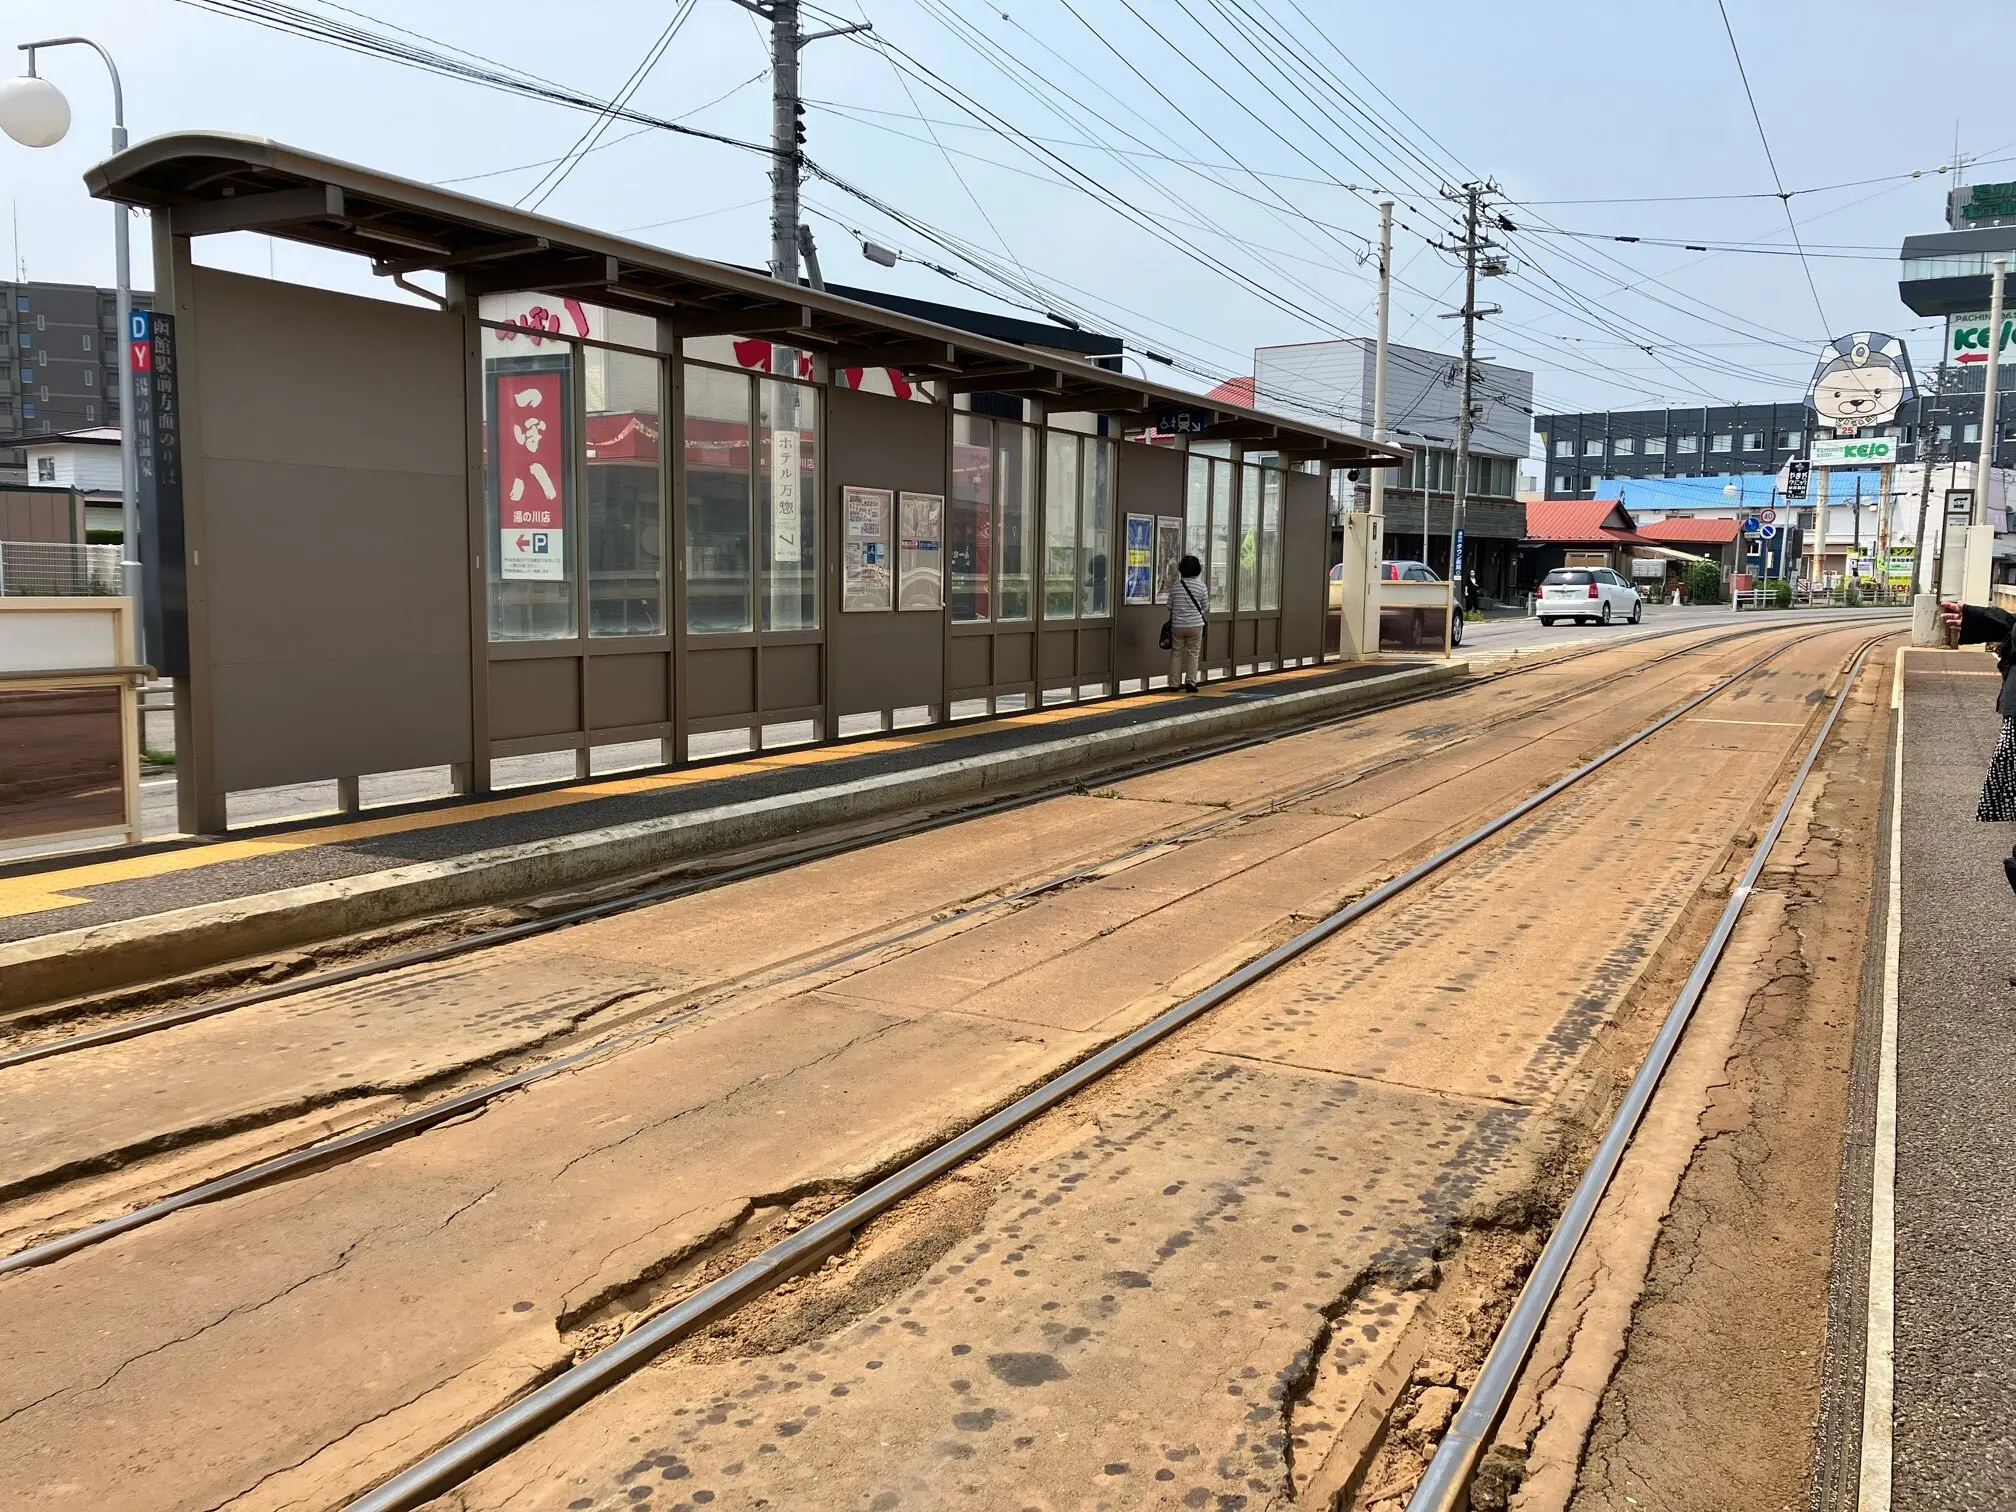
(1446, 1484)
(324, 1153)
(491, 1439)
(113, 1034)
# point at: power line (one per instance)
(554, 177)
(1777, 182)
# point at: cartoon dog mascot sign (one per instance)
(1861, 381)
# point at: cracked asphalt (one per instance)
(1350, 1117)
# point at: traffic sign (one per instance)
(1766, 532)
(1797, 471)
(1768, 516)
(1750, 524)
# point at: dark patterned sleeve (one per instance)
(1979, 624)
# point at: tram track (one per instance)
(556, 1399)
(301, 1218)
(449, 1101)
(22, 1023)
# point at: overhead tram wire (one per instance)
(1045, 93)
(293, 21)
(553, 178)
(1776, 180)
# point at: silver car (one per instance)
(1586, 594)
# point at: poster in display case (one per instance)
(1168, 552)
(864, 559)
(921, 578)
(1139, 568)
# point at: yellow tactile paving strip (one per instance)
(64, 888)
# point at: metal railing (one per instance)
(52, 569)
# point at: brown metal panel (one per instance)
(1060, 654)
(1218, 642)
(1243, 640)
(628, 690)
(790, 677)
(534, 698)
(1270, 637)
(1014, 658)
(1095, 651)
(1305, 556)
(893, 660)
(719, 681)
(1151, 483)
(335, 541)
(970, 662)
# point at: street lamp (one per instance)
(34, 113)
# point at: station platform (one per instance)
(154, 909)
(1953, 1096)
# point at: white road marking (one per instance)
(1880, 1357)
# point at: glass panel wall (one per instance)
(1096, 528)
(1015, 482)
(969, 523)
(990, 515)
(718, 495)
(1218, 568)
(1249, 536)
(1197, 508)
(1060, 526)
(787, 505)
(626, 558)
(1271, 484)
(529, 445)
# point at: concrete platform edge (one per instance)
(49, 968)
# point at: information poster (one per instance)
(922, 584)
(864, 561)
(531, 475)
(1139, 582)
(1168, 552)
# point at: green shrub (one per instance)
(1854, 596)
(1704, 583)
(1779, 591)
(104, 537)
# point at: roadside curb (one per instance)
(96, 958)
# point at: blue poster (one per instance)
(1139, 582)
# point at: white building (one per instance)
(86, 460)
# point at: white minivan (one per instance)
(1584, 594)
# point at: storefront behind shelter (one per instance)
(418, 537)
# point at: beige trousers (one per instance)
(1186, 647)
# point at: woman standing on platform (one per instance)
(1991, 626)
(1187, 603)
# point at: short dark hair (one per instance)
(1189, 566)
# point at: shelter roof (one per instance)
(209, 183)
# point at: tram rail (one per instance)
(342, 1147)
(497, 1435)
(767, 865)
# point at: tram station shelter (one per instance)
(383, 536)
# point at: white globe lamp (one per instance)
(33, 111)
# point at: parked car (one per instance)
(1586, 594)
(1401, 622)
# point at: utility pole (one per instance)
(1379, 356)
(1473, 243)
(1980, 534)
(787, 125)
(1928, 439)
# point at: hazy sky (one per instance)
(1207, 142)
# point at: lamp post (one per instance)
(34, 113)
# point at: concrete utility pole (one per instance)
(787, 125)
(1473, 196)
(1974, 585)
(1928, 440)
(1379, 357)
(785, 139)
